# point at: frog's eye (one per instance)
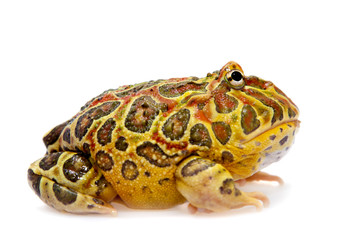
(236, 79)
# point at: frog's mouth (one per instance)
(274, 140)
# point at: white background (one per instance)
(56, 55)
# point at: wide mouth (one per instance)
(275, 137)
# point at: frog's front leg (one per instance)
(208, 185)
(70, 182)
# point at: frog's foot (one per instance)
(260, 176)
(210, 186)
(68, 182)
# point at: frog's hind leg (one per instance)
(210, 186)
(68, 181)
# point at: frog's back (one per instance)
(137, 134)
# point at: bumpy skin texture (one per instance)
(159, 143)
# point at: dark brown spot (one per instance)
(99, 201)
(86, 120)
(105, 132)
(129, 170)
(141, 115)
(83, 124)
(222, 131)
(284, 140)
(103, 109)
(64, 195)
(34, 181)
(76, 167)
(104, 160)
(174, 128)
(66, 136)
(196, 166)
(121, 144)
(227, 157)
(49, 161)
(228, 186)
(101, 183)
(154, 154)
(199, 135)
(86, 148)
(54, 134)
(177, 89)
(272, 137)
(147, 174)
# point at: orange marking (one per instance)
(158, 139)
(153, 91)
(107, 97)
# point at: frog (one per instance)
(162, 143)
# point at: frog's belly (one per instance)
(154, 190)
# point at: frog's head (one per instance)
(250, 115)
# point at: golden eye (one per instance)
(236, 79)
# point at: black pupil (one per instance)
(236, 76)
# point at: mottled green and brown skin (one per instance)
(159, 143)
